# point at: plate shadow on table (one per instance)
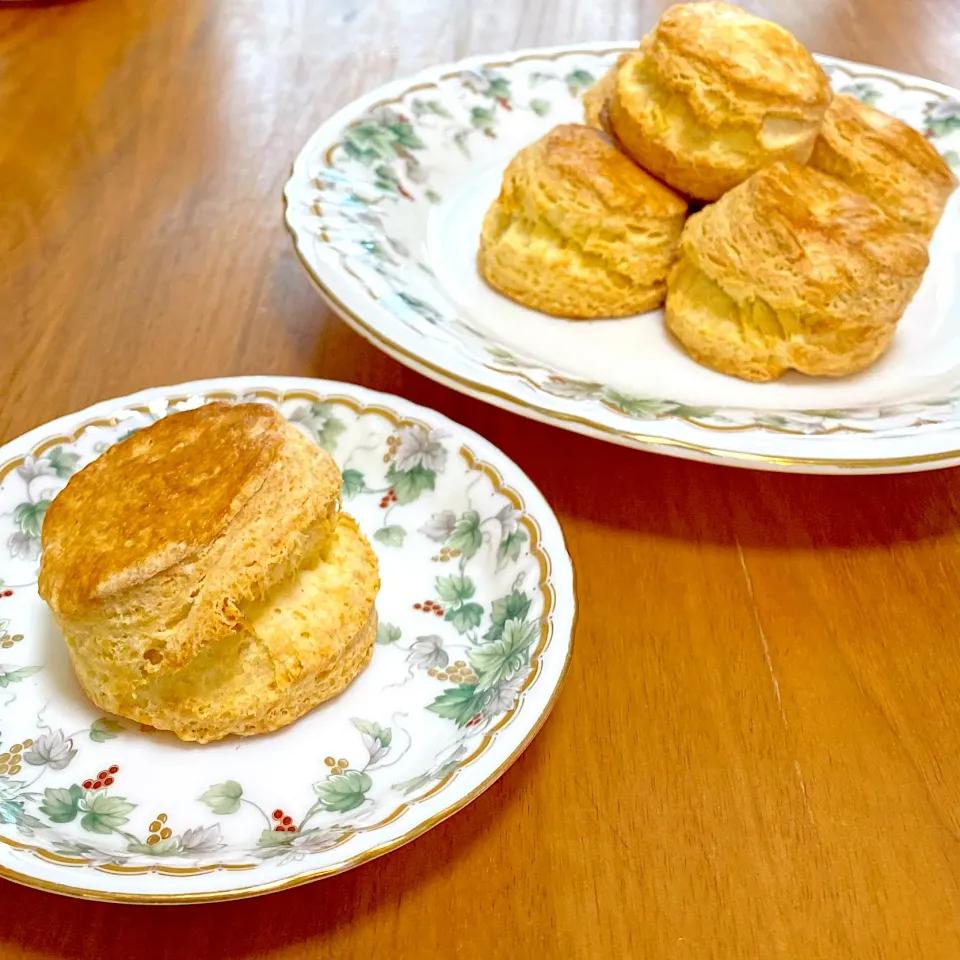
(597, 482)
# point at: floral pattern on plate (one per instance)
(473, 640)
(350, 206)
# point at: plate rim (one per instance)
(369, 397)
(676, 446)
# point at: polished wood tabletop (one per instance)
(757, 751)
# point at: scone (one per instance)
(886, 160)
(204, 577)
(596, 98)
(791, 269)
(578, 230)
(713, 95)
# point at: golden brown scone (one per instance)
(713, 95)
(580, 231)
(885, 160)
(170, 561)
(791, 269)
(596, 98)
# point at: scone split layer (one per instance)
(713, 95)
(791, 270)
(154, 554)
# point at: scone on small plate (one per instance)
(713, 95)
(204, 577)
(791, 270)
(886, 160)
(579, 231)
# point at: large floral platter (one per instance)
(385, 203)
(476, 618)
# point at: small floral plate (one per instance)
(385, 204)
(476, 618)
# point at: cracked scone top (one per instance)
(791, 270)
(713, 95)
(886, 160)
(579, 230)
(204, 577)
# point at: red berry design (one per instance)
(114, 769)
(287, 821)
(418, 606)
(7, 593)
(108, 781)
(438, 612)
(102, 775)
(97, 784)
(278, 814)
(87, 784)
(278, 829)
(291, 829)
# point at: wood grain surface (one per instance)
(757, 753)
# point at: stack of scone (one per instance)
(819, 209)
(204, 577)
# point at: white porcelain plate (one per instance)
(385, 204)
(476, 618)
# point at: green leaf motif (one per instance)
(578, 80)
(952, 159)
(641, 408)
(511, 545)
(383, 736)
(387, 633)
(391, 536)
(409, 484)
(328, 433)
(455, 589)
(864, 92)
(62, 463)
(504, 658)
(482, 118)
(223, 798)
(11, 811)
(29, 517)
(353, 483)
(405, 136)
(343, 791)
(104, 814)
(540, 107)
(272, 838)
(387, 179)
(465, 617)
(460, 704)
(466, 536)
(943, 126)
(515, 606)
(106, 728)
(164, 848)
(407, 787)
(16, 675)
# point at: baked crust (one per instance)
(886, 160)
(714, 94)
(791, 269)
(159, 555)
(578, 230)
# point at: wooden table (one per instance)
(757, 753)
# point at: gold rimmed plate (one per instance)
(476, 617)
(385, 203)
